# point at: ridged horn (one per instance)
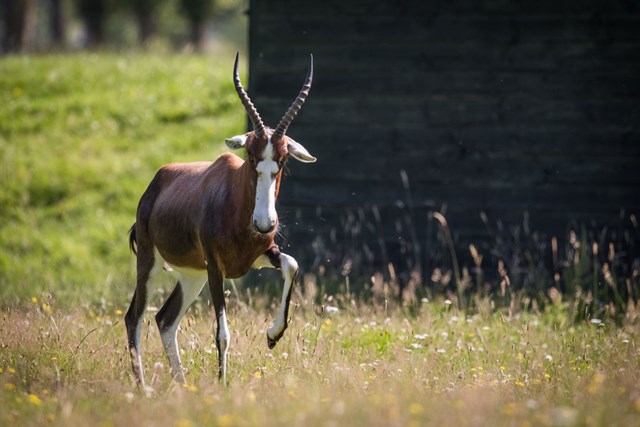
(286, 120)
(256, 121)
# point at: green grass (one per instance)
(360, 366)
(80, 138)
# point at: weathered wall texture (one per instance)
(502, 107)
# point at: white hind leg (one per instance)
(168, 318)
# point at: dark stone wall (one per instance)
(506, 109)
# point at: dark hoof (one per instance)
(271, 342)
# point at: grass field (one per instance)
(361, 366)
(80, 138)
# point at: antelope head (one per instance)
(268, 151)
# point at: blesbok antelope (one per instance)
(211, 220)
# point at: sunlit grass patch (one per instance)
(80, 138)
(72, 366)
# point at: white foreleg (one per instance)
(289, 267)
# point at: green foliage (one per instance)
(80, 138)
(370, 340)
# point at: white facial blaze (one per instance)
(264, 213)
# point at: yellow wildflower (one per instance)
(34, 399)
(190, 387)
(225, 420)
(509, 409)
(416, 409)
(595, 383)
(46, 309)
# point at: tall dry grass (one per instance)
(363, 364)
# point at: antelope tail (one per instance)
(133, 241)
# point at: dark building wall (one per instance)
(502, 107)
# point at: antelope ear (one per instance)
(299, 152)
(236, 142)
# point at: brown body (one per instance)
(196, 213)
